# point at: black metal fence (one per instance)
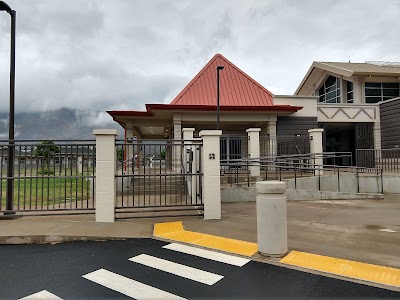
(283, 145)
(159, 176)
(233, 148)
(47, 176)
(280, 167)
(387, 159)
(293, 167)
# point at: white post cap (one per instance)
(210, 133)
(271, 187)
(253, 130)
(315, 130)
(105, 132)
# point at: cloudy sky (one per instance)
(120, 54)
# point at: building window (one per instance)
(349, 91)
(329, 92)
(381, 91)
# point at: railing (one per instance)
(235, 171)
(47, 176)
(290, 169)
(284, 145)
(159, 174)
(387, 159)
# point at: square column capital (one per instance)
(210, 133)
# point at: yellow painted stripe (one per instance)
(343, 267)
(174, 231)
(162, 228)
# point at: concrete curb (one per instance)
(48, 239)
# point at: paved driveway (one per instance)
(146, 268)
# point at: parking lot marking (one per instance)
(177, 269)
(212, 255)
(42, 295)
(127, 286)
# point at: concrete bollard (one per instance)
(271, 218)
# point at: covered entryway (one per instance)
(347, 137)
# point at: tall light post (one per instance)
(10, 160)
(219, 68)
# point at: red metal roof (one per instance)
(236, 87)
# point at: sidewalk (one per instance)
(359, 230)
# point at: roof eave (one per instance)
(324, 67)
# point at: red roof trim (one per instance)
(150, 107)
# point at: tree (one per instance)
(45, 151)
(120, 154)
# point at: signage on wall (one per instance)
(212, 155)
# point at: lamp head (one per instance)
(4, 6)
(220, 67)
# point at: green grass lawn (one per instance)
(47, 191)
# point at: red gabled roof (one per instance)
(236, 87)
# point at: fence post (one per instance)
(210, 164)
(189, 157)
(105, 174)
(254, 151)
(316, 149)
(271, 218)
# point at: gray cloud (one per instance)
(120, 54)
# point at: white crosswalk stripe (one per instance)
(212, 255)
(42, 295)
(177, 269)
(127, 286)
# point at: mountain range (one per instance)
(61, 124)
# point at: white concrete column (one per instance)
(187, 134)
(79, 165)
(254, 150)
(377, 135)
(271, 218)
(176, 150)
(316, 149)
(105, 174)
(211, 173)
(273, 144)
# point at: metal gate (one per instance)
(284, 145)
(365, 140)
(158, 178)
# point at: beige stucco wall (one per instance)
(309, 104)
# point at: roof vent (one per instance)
(384, 63)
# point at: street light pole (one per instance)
(10, 160)
(218, 69)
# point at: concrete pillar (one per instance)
(188, 160)
(129, 152)
(271, 218)
(211, 173)
(377, 135)
(254, 151)
(176, 150)
(105, 174)
(79, 165)
(316, 148)
(273, 144)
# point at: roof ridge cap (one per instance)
(329, 64)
